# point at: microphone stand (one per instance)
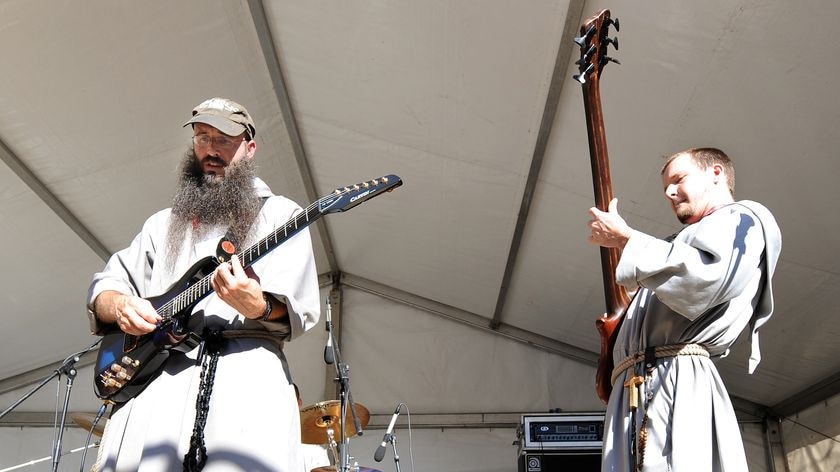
(342, 372)
(68, 369)
(392, 439)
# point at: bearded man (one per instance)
(251, 420)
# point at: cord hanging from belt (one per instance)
(208, 356)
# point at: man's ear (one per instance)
(718, 171)
(251, 149)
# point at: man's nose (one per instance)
(671, 191)
(212, 149)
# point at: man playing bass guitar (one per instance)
(696, 292)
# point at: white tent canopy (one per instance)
(470, 292)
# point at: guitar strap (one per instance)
(208, 356)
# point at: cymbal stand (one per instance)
(342, 377)
(68, 369)
(332, 444)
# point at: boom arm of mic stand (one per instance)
(66, 368)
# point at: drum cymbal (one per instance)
(85, 421)
(316, 419)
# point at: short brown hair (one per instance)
(706, 157)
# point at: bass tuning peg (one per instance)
(614, 42)
(614, 22)
(581, 40)
(586, 56)
(583, 75)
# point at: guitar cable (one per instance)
(99, 415)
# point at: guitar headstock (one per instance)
(594, 41)
(345, 198)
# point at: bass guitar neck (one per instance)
(594, 42)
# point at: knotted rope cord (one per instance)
(643, 434)
(196, 457)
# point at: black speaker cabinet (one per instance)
(560, 461)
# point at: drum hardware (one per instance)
(358, 414)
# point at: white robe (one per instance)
(705, 287)
(253, 423)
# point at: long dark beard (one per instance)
(204, 203)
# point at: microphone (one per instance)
(329, 354)
(380, 451)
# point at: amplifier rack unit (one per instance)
(580, 431)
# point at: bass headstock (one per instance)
(594, 41)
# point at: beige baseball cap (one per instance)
(225, 115)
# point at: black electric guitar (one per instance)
(126, 363)
(594, 41)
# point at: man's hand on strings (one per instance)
(133, 315)
(608, 227)
(236, 288)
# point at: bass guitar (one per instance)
(594, 41)
(126, 363)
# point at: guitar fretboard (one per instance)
(202, 288)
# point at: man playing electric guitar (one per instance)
(251, 418)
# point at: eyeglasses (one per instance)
(221, 142)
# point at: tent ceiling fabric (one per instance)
(450, 96)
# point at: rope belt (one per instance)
(660, 352)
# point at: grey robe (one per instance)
(253, 423)
(705, 287)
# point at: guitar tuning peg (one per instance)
(583, 75)
(614, 42)
(613, 21)
(581, 40)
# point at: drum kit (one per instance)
(319, 423)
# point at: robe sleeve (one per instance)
(128, 271)
(288, 272)
(709, 263)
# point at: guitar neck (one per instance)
(280, 235)
(615, 295)
(202, 288)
